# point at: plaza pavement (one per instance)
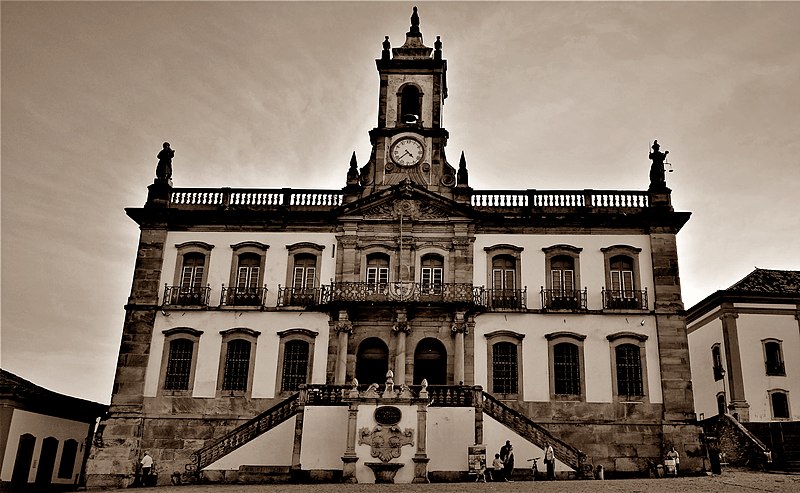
(728, 482)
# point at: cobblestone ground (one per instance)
(728, 482)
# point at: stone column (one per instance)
(477, 401)
(421, 457)
(344, 327)
(350, 458)
(459, 329)
(737, 403)
(401, 329)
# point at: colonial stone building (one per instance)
(745, 354)
(45, 436)
(260, 318)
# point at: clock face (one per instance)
(407, 152)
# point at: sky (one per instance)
(545, 95)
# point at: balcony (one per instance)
(564, 300)
(505, 299)
(627, 299)
(299, 296)
(186, 296)
(243, 297)
(402, 291)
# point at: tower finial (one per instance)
(414, 21)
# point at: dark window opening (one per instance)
(629, 371)
(504, 368)
(237, 365)
(430, 362)
(179, 365)
(68, 455)
(774, 358)
(295, 365)
(566, 369)
(372, 361)
(780, 405)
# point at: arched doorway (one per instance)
(47, 462)
(430, 362)
(372, 361)
(22, 464)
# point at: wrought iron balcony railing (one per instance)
(186, 295)
(402, 291)
(561, 299)
(236, 296)
(505, 299)
(299, 296)
(626, 299)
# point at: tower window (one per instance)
(410, 104)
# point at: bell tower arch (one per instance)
(409, 141)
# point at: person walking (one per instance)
(504, 451)
(147, 467)
(550, 462)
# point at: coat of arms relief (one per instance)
(385, 441)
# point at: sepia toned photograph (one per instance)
(290, 245)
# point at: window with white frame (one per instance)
(432, 273)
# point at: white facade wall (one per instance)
(451, 430)
(752, 329)
(324, 437)
(597, 349)
(211, 322)
(42, 426)
(592, 264)
(702, 363)
(221, 256)
(273, 448)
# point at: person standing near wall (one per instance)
(147, 467)
(550, 462)
(673, 454)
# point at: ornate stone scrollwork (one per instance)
(385, 441)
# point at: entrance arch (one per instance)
(430, 362)
(372, 361)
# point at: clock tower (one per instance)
(409, 141)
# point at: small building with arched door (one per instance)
(45, 436)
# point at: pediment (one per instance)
(406, 200)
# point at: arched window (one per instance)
(410, 104)
(623, 287)
(779, 400)
(237, 365)
(430, 362)
(377, 270)
(562, 275)
(179, 364)
(773, 358)
(23, 461)
(716, 359)
(191, 289)
(295, 365)
(295, 359)
(566, 369)
(629, 371)
(432, 274)
(504, 273)
(68, 455)
(47, 462)
(721, 404)
(372, 361)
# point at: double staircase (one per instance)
(440, 396)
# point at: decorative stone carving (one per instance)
(372, 391)
(401, 327)
(404, 392)
(385, 441)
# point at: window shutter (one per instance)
(426, 276)
(615, 282)
(627, 282)
(438, 275)
(383, 275)
(372, 275)
(311, 277)
(569, 281)
(299, 275)
(555, 276)
(510, 283)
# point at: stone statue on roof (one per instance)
(657, 179)
(164, 167)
